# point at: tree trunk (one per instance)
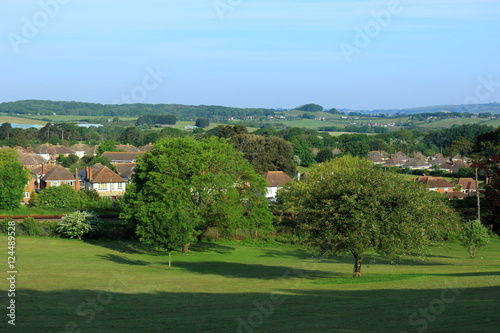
(169, 259)
(185, 248)
(472, 251)
(358, 258)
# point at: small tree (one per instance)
(473, 236)
(77, 224)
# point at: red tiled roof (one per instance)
(105, 175)
(434, 182)
(468, 183)
(58, 173)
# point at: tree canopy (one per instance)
(13, 179)
(349, 206)
(183, 186)
(265, 153)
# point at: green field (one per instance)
(20, 120)
(447, 123)
(117, 286)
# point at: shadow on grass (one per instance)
(369, 259)
(123, 260)
(494, 273)
(286, 252)
(136, 247)
(296, 310)
(251, 271)
(211, 247)
(125, 246)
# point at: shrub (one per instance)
(78, 224)
(63, 196)
(31, 227)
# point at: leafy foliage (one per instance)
(78, 224)
(265, 153)
(202, 122)
(63, 196)
(473, 236)
(13, 179)
(348, 206)
(310, 107)
(184, 186)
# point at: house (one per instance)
(420, 156)
(376, 159)
(437, 184)
(469, 185)
(147, 147)
(103, 180)
(51, 153)
(275, 180)
(122, 157)
(401, 156)
(379, 154)
(32, 161)
(54, 175)
(127, 148)
(456, 195)
(82, 149)
(28, 189)
(453, 166)
(125, 170)
(394, 162)
(416, 163)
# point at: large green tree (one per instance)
(184, 186)
(13, 179)
(349, 206)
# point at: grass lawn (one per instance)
(117, 286)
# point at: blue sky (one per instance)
(252, 53)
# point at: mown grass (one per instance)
(122, 286)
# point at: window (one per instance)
(26, 195)
(119, 186)
(102, 186)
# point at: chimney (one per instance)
(88, 172)
(43, 169)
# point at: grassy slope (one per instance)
(215, 285)
(447, 123)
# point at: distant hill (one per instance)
(471, 108)
(192, 112)
(182, 112)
